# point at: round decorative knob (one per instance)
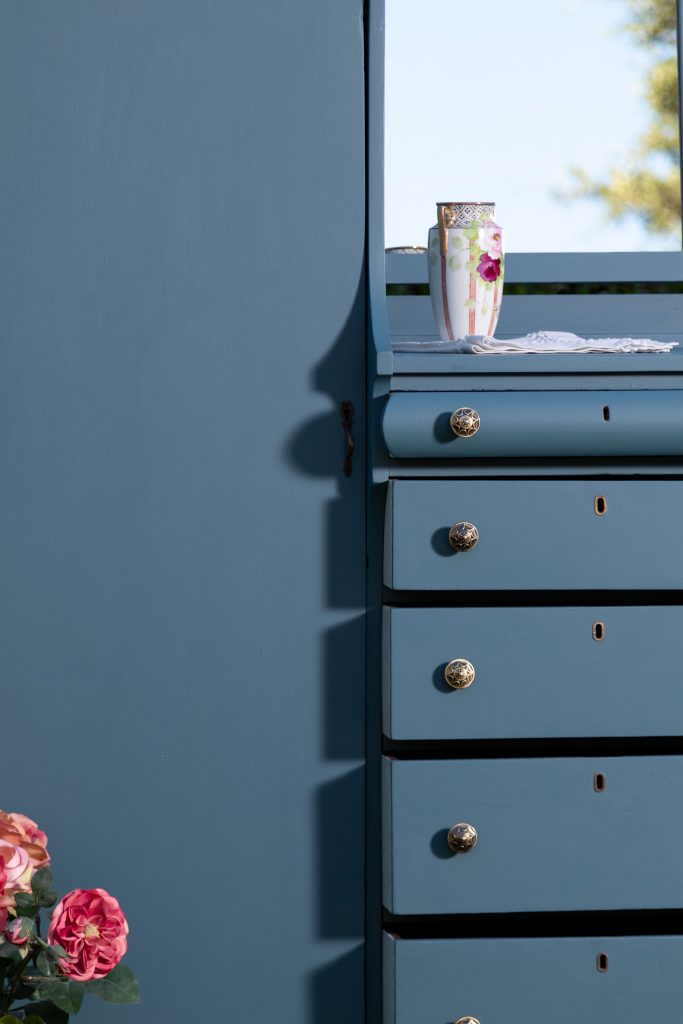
(462, 837)
(459, 673)
(465, 422)
(467, 1020)
(463, 536)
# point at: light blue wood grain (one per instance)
(537, 981)
(538, 468)
(536, 535)
(539, 672)
(556, 267)
(379, 340)
(590, 316)
(533, 424)
(568, 363)
(547, 841)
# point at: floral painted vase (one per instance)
(466, 260)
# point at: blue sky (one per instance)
(496, 101)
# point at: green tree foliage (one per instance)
(649, 183)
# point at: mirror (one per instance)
(565, 115)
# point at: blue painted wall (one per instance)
(181, 559)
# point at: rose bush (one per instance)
(46, 979)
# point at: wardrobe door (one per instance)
(181, 555)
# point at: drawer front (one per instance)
(538, 672)
(548, 839)
(535, 981)
(536, 534)
(536, 424)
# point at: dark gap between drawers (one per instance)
(419, 470)
(532, 598)
(539, 925)
(490, 749)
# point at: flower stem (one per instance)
(15, 982)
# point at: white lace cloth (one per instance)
(538, 342)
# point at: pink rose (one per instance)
(493, 239)
(5, 901)
(488, 269)
(90, 925)
(13, 932)
(18, 869)
(18, 830)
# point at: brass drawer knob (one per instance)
(467, 1020)
(462, 837)
(463, 536)
(459, 673)
(465, 422)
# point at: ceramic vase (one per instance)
(465, 253)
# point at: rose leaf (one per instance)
(43, 964)
(8, 951)
(41, 886)
(66, 995)
(119, 986)
(56, 952)
(41, 882)
(25, 905)
(49, 1014)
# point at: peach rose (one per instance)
(18, 830)
(90, 925)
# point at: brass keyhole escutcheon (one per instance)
(462, 837)
(599, 782)
(598, 631)
(465, 422)
(602, 962)
(600, 505)
(459, 673)
(463, 536)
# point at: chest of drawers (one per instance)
(532, 699)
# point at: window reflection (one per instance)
(566, 115)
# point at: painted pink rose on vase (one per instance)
(492, 241)
(18, 830)
(90, 925)
(488, 268)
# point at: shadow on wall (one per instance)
(318, 448)
(342, 977)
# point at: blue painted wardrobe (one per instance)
(182, 559)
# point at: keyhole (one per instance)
(599, 782)
(605, 412)
(600, 505)
(598, 631)
(602, 961)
